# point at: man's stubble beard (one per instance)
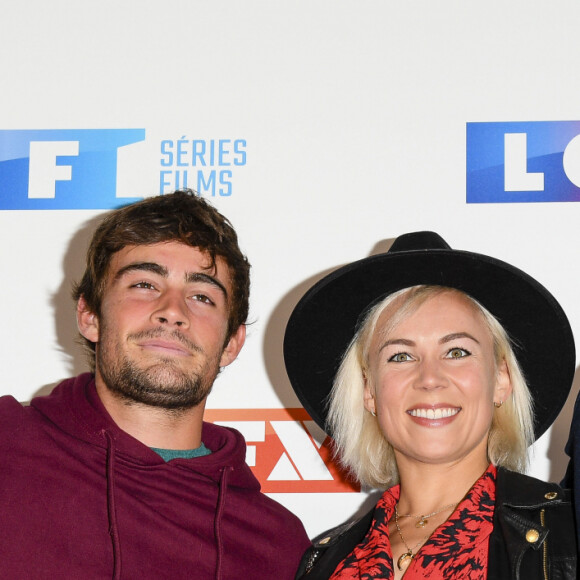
(161, 383)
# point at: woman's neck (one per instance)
(426, 488)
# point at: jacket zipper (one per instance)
(545, 547)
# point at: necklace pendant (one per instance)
(404, 561)
(422, 522)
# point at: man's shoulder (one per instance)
(18, 422)
(11, 410)
(17, 416)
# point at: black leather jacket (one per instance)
(533, 534)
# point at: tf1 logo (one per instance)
(521, 162)
(62, 169)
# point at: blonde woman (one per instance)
(434, 370)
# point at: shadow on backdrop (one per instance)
(276, 325)
(559, 435)
(68, 339)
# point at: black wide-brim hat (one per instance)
(325, 320)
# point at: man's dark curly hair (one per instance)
(181, 216)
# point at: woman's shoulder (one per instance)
(518, 489)
(332, 546)
(533, 525)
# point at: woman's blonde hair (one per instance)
(360, 444)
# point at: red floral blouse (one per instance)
(457, 548)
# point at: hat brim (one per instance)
(324, 321)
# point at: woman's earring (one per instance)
(497, 405)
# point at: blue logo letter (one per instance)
(62, 169)
(523, 162)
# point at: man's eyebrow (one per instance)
(192, 277)
(144, 267)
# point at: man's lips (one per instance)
(165, 347)
(434, 413)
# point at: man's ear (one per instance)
(87, 321)
(234, 346)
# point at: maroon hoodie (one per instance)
(82, 499)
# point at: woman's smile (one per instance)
(434, 413)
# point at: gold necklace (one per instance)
(406, 557)
(424, 519)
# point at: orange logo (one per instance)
(286, 450)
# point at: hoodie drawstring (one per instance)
(218, 517)
(111, 508)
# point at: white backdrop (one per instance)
(353, 115)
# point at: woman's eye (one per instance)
(458, 353)
(400, 357)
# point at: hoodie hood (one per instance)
(75, 408)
